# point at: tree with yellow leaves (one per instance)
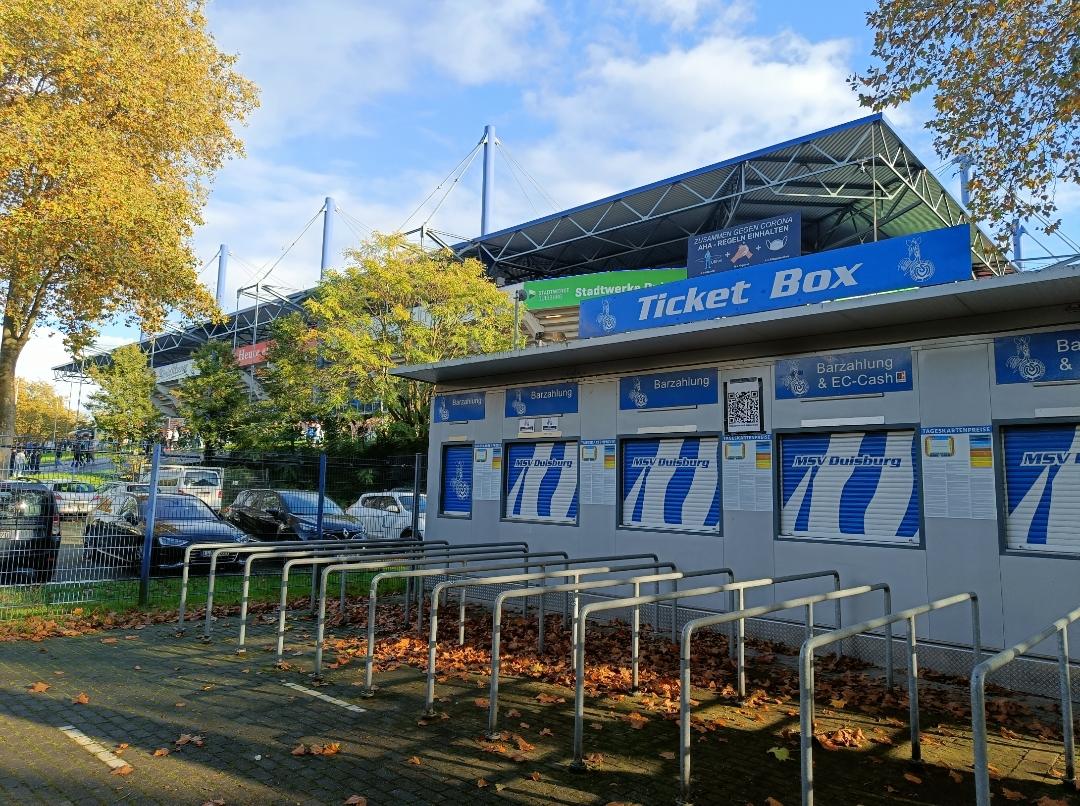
(114, 114)
(41, 413)
(392, 304)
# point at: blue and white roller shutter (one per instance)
(852, 485)
(671, 483)
(542, 481)
(1042, 487)
(457, 480)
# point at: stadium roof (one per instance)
(851, 183)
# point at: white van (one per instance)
(205, 483)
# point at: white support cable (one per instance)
(354, 219)
(517, 180)
(451, 187)
(266, 271)
(360, 236)
(510, 157)
(1058, 233)
(467, 158)
(250, 268)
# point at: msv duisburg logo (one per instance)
(519, 405)
(444, 412)
(1028, 368)
(915, 265)
(637, 397)
(461, 486)
(605, 320)
(795, 380)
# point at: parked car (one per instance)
(75, 498)
(290, 515)
(29, 532)
(205, 483)
(389, 515)
(116, 529)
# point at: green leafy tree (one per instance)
(122, 406)
(114, 115)
(392, 304)
(214, 401)
(41, 413)
(1005, 78)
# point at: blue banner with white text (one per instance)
(929, 258)
(749, 244)
(840, 374)
(1034, 357)
(459, 408)
(552, 398)
(664, 390)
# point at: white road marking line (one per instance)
(92, 747)
(356, 709)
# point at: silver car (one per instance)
(73, 498)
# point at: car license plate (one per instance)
(204, 554)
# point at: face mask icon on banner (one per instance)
(777, 244)
(605, 319)
(1030, 369)
(914, 265)
(637, 397)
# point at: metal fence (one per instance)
(81, 525)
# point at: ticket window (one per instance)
(1042, 487)
(456, 490)
(860, 486)
(671, 483)
(542, 481)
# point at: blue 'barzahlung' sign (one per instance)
(930, 258)
(1033, 357)
(839, 374)
(552, 398)
(749, 244)
(665, 390)
(462, 407)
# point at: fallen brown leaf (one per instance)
(535, 776)
(481, 783)
(161, 751)
(513, 713)
(127, 769)
(80, 699)
(300, 750)
(356, 800)
(546, 732)
(1011, 794)
(1046, 800)
(772, 802)
(108, 640)
(912, 778)
(481, 702)
(39, 688)
(415, 761)
(668, 754)
(957, 777)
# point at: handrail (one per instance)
(978, 700)
(806, 675)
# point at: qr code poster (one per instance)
(742, 406)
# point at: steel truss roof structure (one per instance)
(852, 183)
(245, 326)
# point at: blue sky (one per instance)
(374, 103)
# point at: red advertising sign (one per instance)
(249, 354)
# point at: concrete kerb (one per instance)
(446, 567)
(978, 701)
(690, 627)
(429, 698)
(806, 677)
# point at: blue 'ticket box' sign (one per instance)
(1031, 357)
(762, 241)
(930, 258)
(663, 390)
(553, 398)
(838, 374)
(459, 408)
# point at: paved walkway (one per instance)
(146, 689)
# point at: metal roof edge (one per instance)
(851, 124)
(567, 353)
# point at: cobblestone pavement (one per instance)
(145, 688)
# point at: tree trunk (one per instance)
(10, 348)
